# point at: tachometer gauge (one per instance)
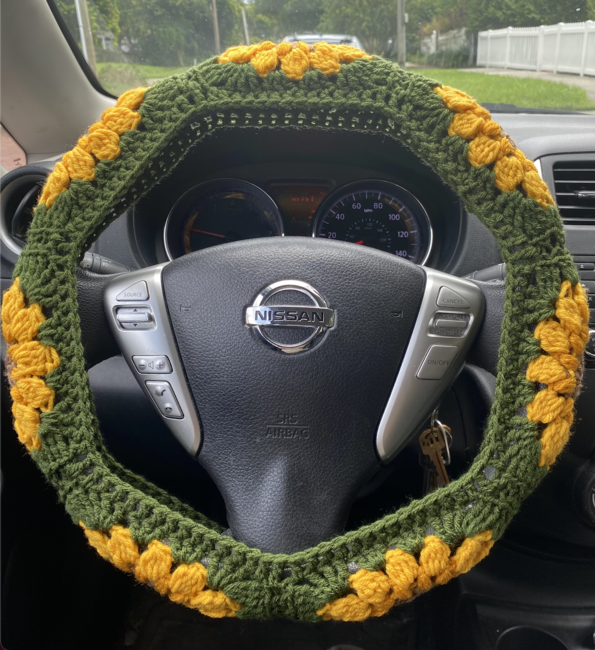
(377, 214)
(217, 212)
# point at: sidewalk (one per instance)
(586, 83)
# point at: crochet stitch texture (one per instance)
(147, 532)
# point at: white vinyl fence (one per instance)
(565, 47)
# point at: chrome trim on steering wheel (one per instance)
(152, 342)
(448, 321)
(433, 359)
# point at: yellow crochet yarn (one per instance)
(294, 59)
(186, 584)
(101, 143)
(87, 474)
(404, 577)
(563, 339)
(490, 145)
(31, 360)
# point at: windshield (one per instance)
(537, 54)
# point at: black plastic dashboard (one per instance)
(330, 160)
(306, 168)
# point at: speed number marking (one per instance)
(391, 221)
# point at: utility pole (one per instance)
(401, 52)
(84, 25)
(216, 28)
(246, 34)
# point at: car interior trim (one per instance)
(70, 103)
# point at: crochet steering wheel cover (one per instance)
(142, 529)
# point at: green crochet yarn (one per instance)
(366, 95)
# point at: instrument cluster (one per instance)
(374, 213)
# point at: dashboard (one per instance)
(369, 191)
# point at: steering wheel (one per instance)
(291, 367)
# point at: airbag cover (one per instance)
(289, 438)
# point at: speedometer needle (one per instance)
(206, 232)
(361, 241)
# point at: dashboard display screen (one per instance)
(374, 213)
(298, 203)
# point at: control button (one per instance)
(135, 318)
(141, 317)
(585, 266)
(449, 324)
(138, 326)
(164, 398)
(588, 285)
(153, 365)
(441, 323)
(449, 298)
(591, 299)
(437, 361)
(136, 291)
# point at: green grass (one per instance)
(522, 92)
(157, 71)
(116, 78)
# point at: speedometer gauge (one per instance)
(377, 214)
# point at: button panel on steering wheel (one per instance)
(150, 349)
(433, 359)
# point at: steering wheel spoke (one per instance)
(448, 322)
(137, 314)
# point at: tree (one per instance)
(161, 32)
(275, 19)
(103, 14)
(372, 21)
(478, 15)
(177, 32)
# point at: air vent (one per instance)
(20, 191)
(575, 191)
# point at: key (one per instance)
(430, 478)
(432, 443)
